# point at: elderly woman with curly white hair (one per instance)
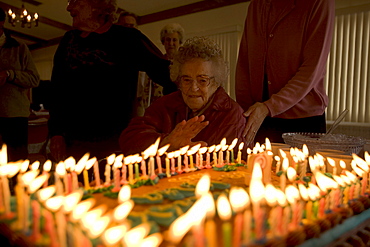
(200, 112)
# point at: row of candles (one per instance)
(322, 193)
(244, 215)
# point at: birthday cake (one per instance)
(200, 198)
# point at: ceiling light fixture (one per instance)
(25, 18)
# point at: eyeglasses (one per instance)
(202, 81)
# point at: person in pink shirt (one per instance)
(281, 67)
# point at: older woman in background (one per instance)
(172, 36)
(201, 111)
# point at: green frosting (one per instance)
(225, 168)
(187, 192)
(220, 185)
(172, 194)
(150, 198)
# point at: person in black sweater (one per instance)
(94, 80)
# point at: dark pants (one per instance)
(273, 128)
(14, 133)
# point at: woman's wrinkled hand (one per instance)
(184, 132)
(58, 148)
(256, 114)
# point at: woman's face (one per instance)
(171, 44)
(85, 17)
(195, 75)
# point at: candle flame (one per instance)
(339, 180)
(218, 148)
(211, 148)
(183, 150)
(70, 163)
(324, 182)
(71, 200)
(114, 234)
(47, 166)
(111, 159)
(136, 234)
(3, 155)
(163, 149)
(305, 150)
(121, 211)
(223, 208)
(292, 194)
(367, 157)
(24, 166)
(285, 164)
(179, 228)
(54, 203)
(239, 199)
(209, 204)
(80, 210)
(124, 193)
(171, 154)
(35, 165)
(270, 196)
(203, 185)
(313, 191)
(37, 183)
(60, 169)
(342, 164)
(153, 240)
(203, 150)
(355, 168)
(257, 171)
(233, 144)
(151, 150)
(281, 198)
(90, 163)
(93, 215)
(331, 161)
(10, 170)
(119, 158)
(268, 144)
(83, 159)
(360, 162)
(350, 176)
(303, 192)
(241, 145)
(46, 193)
(291, 174)
(346, 180)
(29, 176)
(99, 226)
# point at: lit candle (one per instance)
(208, 157)
(217, 148)
(283, 175)
(128, 162)
(160, 152)
(220, 153)
(143, 167)
(88, 165)
(110, 161)
(282, 203)
(172, 160)
(193, 150)
(293, 196)
(239, 200)
(239, 159)
(224, 212)
(46, 170)
(231, 149)
(201, 151)
(183, 152)
(365, 167)
(117, 174)
(168, 157)
(137, 160)
(124, 174)
(210, 225)
(54, 204)
(179, 165)
(257, 192)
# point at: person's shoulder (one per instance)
(225, 102)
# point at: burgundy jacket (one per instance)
(224, 116)
(292, 52)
